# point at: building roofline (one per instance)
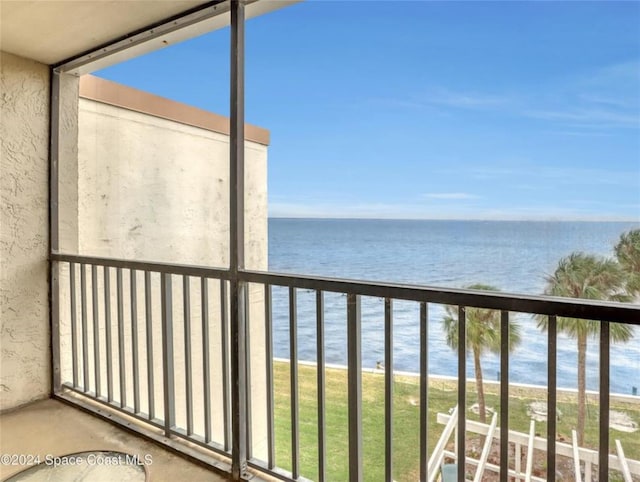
(108, 92)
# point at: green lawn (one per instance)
(442, 397)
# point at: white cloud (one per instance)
(465, 100)
(606, 98)
(623, 74)
(438, 97)
(450, 195)
(600, 117)
(530, 173)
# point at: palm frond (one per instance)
(482, 326)
(581, 275)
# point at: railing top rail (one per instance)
(536, 304)
(544, 305)
(160, 267)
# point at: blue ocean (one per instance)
(514, 256)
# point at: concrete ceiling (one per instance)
(50, 31)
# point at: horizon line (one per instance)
(532, 220)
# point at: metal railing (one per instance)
(106, 366)
(93, 360)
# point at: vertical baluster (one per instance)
(107, 332)
(206, 357)
(552, 355)
(354, 389)
(54, 280)
(238, 359)
(134, 340)
(148, 313)
(167, 354)
(96, 328)
(268, 336)
(322, 438)
(293, 371)
(224, 343)
(85, 331)
(123, 380)
(186, 312)
(74, 323)
(388, 388)
(603, 455)
(247, 369)
(424, 401)
(504, 396)
(462, 391)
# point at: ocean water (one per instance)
(514, 256)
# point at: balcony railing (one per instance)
(116, 348)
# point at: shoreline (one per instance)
(448, 378)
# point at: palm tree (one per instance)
(581, 275)
(628, 254)
(483, 334)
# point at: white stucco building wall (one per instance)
(24, 236)
(153, 179)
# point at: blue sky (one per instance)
(434, 110)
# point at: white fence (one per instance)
(527, 442)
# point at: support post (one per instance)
(354, 386)
(236, 194)
(54, 273)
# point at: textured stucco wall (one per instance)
(24, 313)
(68, 164)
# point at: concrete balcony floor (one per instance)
(55, 428)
